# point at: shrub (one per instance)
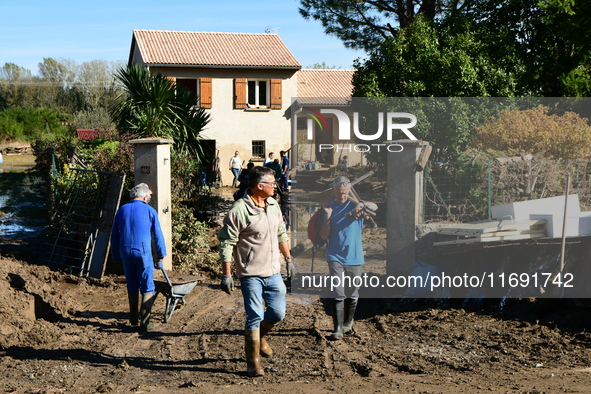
(28, 124)
(535, 131)
(190, 243)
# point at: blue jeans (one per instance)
(139, 271)
(236, 172)
(285, 182)
(272, 291)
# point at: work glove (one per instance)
(227, 284)
(159, 264)
(290, 270)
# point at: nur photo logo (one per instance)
(388, 122)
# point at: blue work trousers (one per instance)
(139, 271)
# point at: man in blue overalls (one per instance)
(135, 225)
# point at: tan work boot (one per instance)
(252, 349)
(133, 297)
(266, 350)
(146, 312)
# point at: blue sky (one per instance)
(82, 31)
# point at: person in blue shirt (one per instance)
(284, 172)
(344, 251)
(136, 224)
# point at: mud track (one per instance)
(64, 334)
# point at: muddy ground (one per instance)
(61, 333)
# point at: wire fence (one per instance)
(466, 191)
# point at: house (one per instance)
(248, 82)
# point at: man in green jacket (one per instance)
(254, 238)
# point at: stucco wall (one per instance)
(235, 129)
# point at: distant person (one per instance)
(235, 167)
(136, 224)
(275, 166)
(270, 158)
(284, 184)
(243, 181)
(344, 251)
(254, 239)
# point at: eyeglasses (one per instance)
(274, 184)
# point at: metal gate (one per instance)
(78, 235)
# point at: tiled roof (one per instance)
(189, 48)
(324, 86)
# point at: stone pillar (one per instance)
(405, 206)
(152, 166)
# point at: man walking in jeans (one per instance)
(254, 238)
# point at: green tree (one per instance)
(366, 24)
(153, 106)
(16, 85)
(95, 79)
(321, 65)
(545, 45)
(423, 62)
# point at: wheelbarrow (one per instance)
(174, 293)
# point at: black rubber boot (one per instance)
(134, 299)
(350, 306)
(146, 312)
(338, 315)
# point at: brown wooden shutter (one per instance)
(171, 79)
(276, 94)
(240, 93)
(205, 92)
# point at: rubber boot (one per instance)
(133, 298)
(350, 306)
(252, 349)
(338, 315)
(146, 312)
(266, 350)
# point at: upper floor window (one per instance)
(200, 88)
(257, 93)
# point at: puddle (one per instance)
(23, 212)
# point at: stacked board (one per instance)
(490, 231)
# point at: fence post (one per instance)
(404, 199)
(425, 176)
(489, 180)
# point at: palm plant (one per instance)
(153, 106)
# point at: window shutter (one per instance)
(240, 93)
(205, 92)
(276, 94)
(171, 79)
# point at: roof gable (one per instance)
(211, 49)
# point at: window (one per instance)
(200, 88)
(257, 93)
(258, 149)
